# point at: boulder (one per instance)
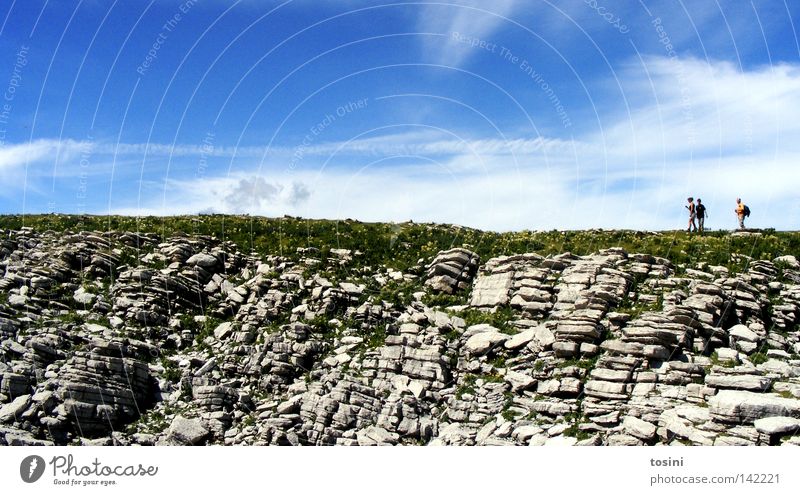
(374, 435)
(540, 336)
(777, 425)
(10, 412)
(452, 270)
(735, 406)
(639, 428)
(754, 383)
(202, 260)
(483, 341)
(186, 431)
(519, 381)
(742, 332)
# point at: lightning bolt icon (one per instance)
(32, 467)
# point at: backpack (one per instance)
(746, 211)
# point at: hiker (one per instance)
(701, 215)
(692, 215)
(740, 207)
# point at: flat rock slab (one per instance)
(639, 428)
(375, 435)
(753, 383)
(483, 342)
(540, 335)
(492, 290)
(519, 381)
(777, 425)
(742, 332)
(735, 406)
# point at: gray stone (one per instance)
(565, 349)
(789, 261)
(10, 412)
(17, 300)
(519, 381)
(606, 390)
(734, 406)
(491, 290)
(202, 260)
(639, 428)
(754, 383)
(741, 332)
(83, 297)
(185, 431)
(520, 340)
(483, 342)
(777, 425)
(725, 354)
(541, 336)
(207, 367)
(374, 435)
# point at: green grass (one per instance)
(397, 293)
(171, 370)
(715, 361)
(637, 309)
(584, 364)
(72, 318)
(444, 300)
(101, 320)
(501, 319)
(402, 245)
(574, 419)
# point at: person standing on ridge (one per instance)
(692, 215)
(740, 208)
(701, 215)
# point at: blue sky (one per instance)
(501, 115)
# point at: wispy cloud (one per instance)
(49, 150)
(695, 128)
(697, 107)
(17, 155)
(471, 18)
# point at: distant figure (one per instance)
(701, 215)
(692, 215)
(740, 212)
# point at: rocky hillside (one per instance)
(269, 332)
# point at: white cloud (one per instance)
(698, 128)
(701, 107)
(471, 18)
(18, 155)
(251, 192)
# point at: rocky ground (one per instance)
(129, 338)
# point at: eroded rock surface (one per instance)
(127, 338)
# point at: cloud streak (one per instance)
(471, 18)
(735, 135)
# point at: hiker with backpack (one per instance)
(742, 210)
(692, 215)
(701, 215)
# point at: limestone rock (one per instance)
(186, 431)
(638, 428)
(11, 412)
(777, 425)
(484, 340)
(733, 406)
